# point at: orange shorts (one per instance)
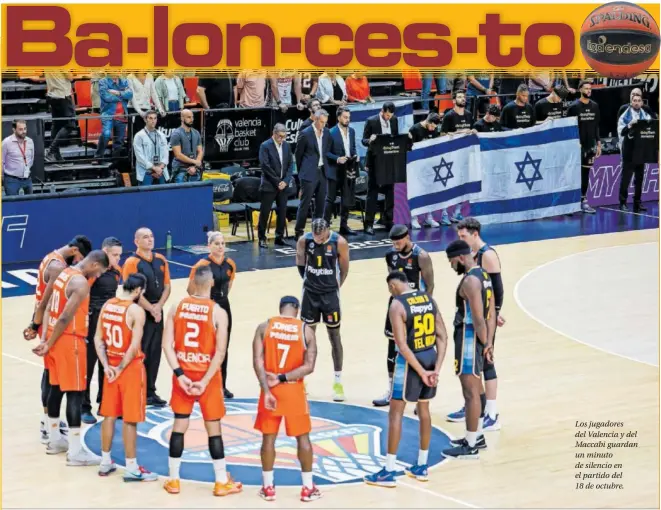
(127, 396)
(68, 363)
(47, 357)
(212, 402)
(295, 425)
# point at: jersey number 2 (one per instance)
(285, 351)
(192, 332)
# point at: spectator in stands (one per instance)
(343, 170)
(171, 93)
(60, 100)
(518, 114)
(115, 95)
(632, 164)
(358, 89)
(312, 163)
(17, 160)
(145, 98)
(588, 114)
(151, 153)
(489, 123)
(384, 123)
(552, 106)
(95, 77)
(332, 89)
(313, 106)
(282, 90)
(216, 92)
(480, 85)
(425, 130)
(250, 91)
(306, 84)
(441, 87)
(540, 82)
(186, 143)
(277, 163)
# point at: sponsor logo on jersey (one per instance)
(349, 442)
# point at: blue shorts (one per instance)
(468, 351)
(407, 385)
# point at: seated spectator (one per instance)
(151, 153)
(332, 89)
(145, 97)
(17, 160)
(186, 144)
(115, 95)
(250, 89)
(171, 93)
(358, 89)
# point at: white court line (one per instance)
(178, 263)
(630, 212)
(437, 494)
(17, 358)
(520, 304)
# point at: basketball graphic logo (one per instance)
(620, 40)
(224, 134)
(349, 442)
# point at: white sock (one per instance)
(390, 462)
(105, 458)
(267, 476)
(74, 441)
(45, 421)
(422, 457)
(219, 467)
(307, 479)
(480, 424)
(54, 429)
(491, 409)
(174, 467)
(338, 377)
(471, 437)
(131, 465)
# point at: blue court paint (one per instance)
(20, 279)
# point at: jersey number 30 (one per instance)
(113, 336)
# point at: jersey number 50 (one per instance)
(423, 324)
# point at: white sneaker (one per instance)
(431, 222)
(415, 224)
(59, 446)
(44, 433)
(83, 458)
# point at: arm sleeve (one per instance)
(497, 281)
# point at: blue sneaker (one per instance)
(445, 219)
(383, 478)
(490, 424)
(457, 416)
(141, 475)
(88, 418)
(457, 216)
(420, 473)
(480, 444)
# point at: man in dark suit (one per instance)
(343, 165)
(383, 123)
(277, 164)
(312, 163)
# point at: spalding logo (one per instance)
(346, 447)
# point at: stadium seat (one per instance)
(190, 86)
(83, 90)
(90, 128)
(224, 191)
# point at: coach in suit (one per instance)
(277, 164)
(343, 165)
(313, 169)
(383, 123)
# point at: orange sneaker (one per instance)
(310, 494)
(225, 489)
(172, 486)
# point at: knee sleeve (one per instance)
(489, 372)
(392, 354)
(54, 402)
(483, 404)
(176, 445)
(216, 447)
(45, 388)
(74, 408)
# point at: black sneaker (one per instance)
(156, 401)
(227, 393)
(480, 444)
(462, 452)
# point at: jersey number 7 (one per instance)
(285, 352)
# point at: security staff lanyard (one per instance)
(26, 170)
(155, 159)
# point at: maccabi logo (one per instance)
(349, 442)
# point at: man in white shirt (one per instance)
(151, 153)
(17, 160)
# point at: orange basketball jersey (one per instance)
(194, 334)
(78, 326)
(116, 332)
(41, 282)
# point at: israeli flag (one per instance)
(361, 112)
(529, 174)
(442, 172)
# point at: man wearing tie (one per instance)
(343, 166)
(385, 123)
(312, 162)
(277, 164)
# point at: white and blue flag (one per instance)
(529, 174)
(442, 172)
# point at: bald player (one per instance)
(195, 344)
(49, 269)
(284, 352)
(65, 341)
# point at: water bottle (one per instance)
(52, 188)
(168, 242)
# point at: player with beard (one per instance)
(416, 264)
(490, 123)
(587, 112)
(552, 106)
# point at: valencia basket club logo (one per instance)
(349, 442)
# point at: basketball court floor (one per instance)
(580, 344)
